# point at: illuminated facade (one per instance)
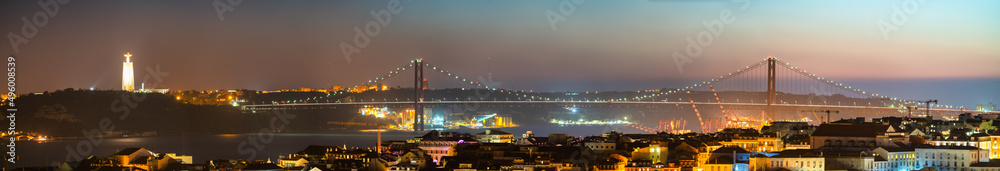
(494, 136)
(986, 107)
(898, 158)
(994, 150)
(127, 74)
(655, 153)
(365, 87)
(798, 162)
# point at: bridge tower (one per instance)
(771, 89)
(418, 95)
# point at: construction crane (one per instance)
(378, 128)
(909, 111)
(928, 102)
(827, 113)
(703, 130)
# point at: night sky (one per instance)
(944, 49)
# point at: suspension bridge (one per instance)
(775, 88)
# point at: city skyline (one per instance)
(939, 44)
(502, 85)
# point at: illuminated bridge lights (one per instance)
(638, 97)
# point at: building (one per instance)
(438, 144)
(993, 165)
(181, 158)
(654, 153)
(138, 158)
(262, 167)
(897, 158)
(728, 158)
(494, 136)
(733, 152)
(978, 140)
(986, 107)
(529, 138)
(646, 165)
(948, 158)
(724, 163)
(851, 160)
(795, 160)
(128, 84)
(752, 140)
(296, 161)
(864, 135)
(600, 145)
(993, 145)
(795, 142)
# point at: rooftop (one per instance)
(851, 130)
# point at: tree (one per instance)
(987, 126)
(55, 112)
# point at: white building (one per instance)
(897, 158)
(950, 158)
(795, 160)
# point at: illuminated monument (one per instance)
(127, 82)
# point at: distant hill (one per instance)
(68, 112)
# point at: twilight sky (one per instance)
(602, 45)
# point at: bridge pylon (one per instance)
(418, 95)
(771, 87)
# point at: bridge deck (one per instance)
(609, 104)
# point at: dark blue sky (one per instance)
(943, 49)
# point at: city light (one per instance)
(453, 90)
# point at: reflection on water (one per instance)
(224, 146)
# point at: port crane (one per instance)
(700, 121)
(725, 114)
(378, 128)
